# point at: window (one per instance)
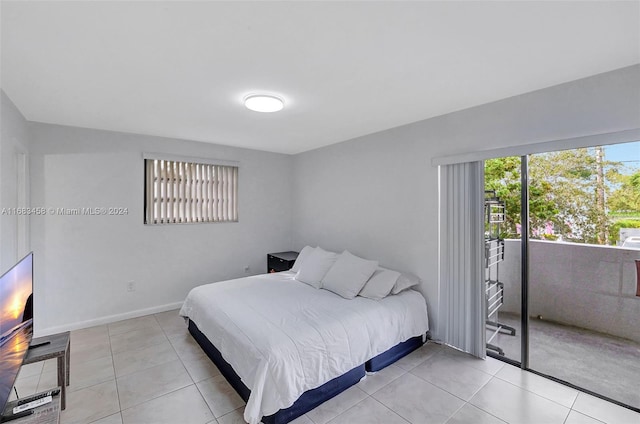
(179, 192)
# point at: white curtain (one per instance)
(462, 298)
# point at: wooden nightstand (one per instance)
(281, 261)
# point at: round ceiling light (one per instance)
(263, 103)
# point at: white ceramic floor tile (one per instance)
(88, 335)
(337, 405)
(469, 414)
(50, 365)
(81, 375)
(131, 361)
(145, 385)
(30, 370)
(201, 368)
(368, 411)
(137, 339)
(169, 317)
(91, 404)
(233, 417)
(604, 411)
(90, 351)
(303, 419)
(171, 323)
(157, 361)
(186, 347)
(219, 395)
(451, 375)
(236, 417)
(544, 387)
(111, 419)
(418, 401)
(576, 417)
(488, 365)
(515, 405)
(374, 382)
(418, 356)
(25, 386)
(77, 344)
(124, 326)
(184, 406)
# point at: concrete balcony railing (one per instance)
(587, 286)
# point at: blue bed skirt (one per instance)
(311, 398)
(392, 355)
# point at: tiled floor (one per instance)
(149, 370)
(598, 362)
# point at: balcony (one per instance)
(584, 314)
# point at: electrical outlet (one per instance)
(246, 268)
(131, 286)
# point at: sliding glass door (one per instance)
(502, 257)
(570, 273)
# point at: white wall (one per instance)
(14, 140)
(377, 195)
(83, 263)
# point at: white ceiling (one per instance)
(345, 69)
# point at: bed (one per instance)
(286, 346)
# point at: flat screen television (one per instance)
(16, 322)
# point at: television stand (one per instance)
(7, 418)
(33, 346)
(46, 414)
(58, 346)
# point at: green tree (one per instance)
(502, 175)
(625, 198)
(567, 193)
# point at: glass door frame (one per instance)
(524, 331)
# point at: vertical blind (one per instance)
(179, 192)
(462, 299)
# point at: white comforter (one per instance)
(283, 337)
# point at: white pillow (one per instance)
(315, 266)
(380, 284)
(304, 253)
(405, 281)
(348, 275)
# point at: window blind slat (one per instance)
(235, 193)
(210, 187)
(156, 192)
(170, 192)
(229, 192)
(149, 205)
(185, 192)
(205, 190)
(201, 193)
(224, 193)
(218, 194)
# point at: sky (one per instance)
(628, 153)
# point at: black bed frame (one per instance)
(314, 397)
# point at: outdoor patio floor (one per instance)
(595, 361)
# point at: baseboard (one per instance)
(105, 320)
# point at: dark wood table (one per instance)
(59, 347)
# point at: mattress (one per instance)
(283, 337)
